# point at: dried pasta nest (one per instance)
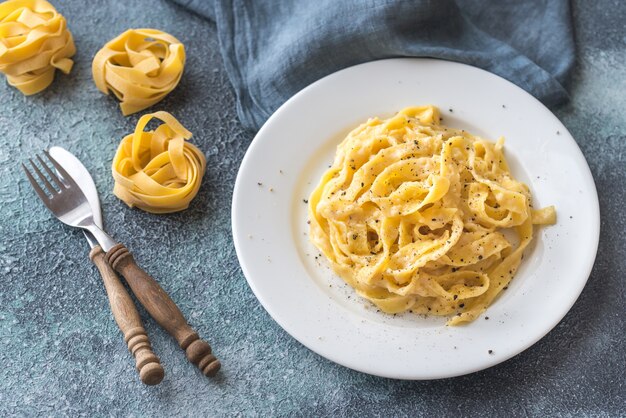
(158, 171)
(34, 43)
(140, 67)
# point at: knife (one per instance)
(149, 293)
(124, 311)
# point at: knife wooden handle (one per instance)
(163, 309)
(127, 318)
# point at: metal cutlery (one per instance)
(122, 306)
(71, 206)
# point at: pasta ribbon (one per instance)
(412, 214)
(34, 42)
(158, 171)
(140, 66)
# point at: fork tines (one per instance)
(60, 181)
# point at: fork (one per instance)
(70, 205)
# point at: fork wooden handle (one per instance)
(163, 309)
(128, 319)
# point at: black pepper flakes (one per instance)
(490, 351)
(305, 201)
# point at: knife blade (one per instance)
(79, 173)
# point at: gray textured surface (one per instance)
(62, 354)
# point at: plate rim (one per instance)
(550, 325)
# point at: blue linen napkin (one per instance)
(272, 48)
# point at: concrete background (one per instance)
(62, 354)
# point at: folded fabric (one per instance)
(272, 49)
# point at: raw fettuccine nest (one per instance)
(34, 42)
(140, 66)
(158, 171)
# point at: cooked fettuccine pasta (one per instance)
(158, 171)
(34, 42)
(411, 214)
(140, 66)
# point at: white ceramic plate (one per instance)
(296, 286)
